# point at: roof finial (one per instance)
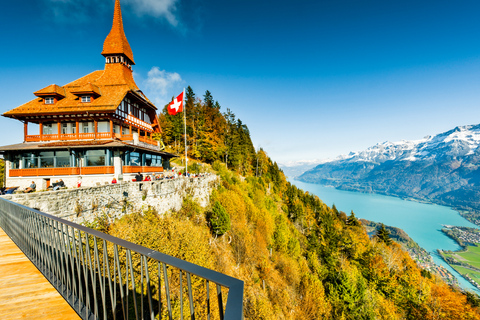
(116, 42)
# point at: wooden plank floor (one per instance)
(24, 291)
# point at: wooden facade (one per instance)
(100, 124)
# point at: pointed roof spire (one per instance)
(116, 41)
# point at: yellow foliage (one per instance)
(234, 205)
(179, 238)
(444, 303)
(313, 303)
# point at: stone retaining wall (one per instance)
(85, 203)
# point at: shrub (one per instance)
(219, 219)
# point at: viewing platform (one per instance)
(25, 293)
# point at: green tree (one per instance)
(352, 220)
(383, 234)
(219, 219)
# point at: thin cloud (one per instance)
(156, 8)
(159, 85)
(74, 11)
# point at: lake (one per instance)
(423, 222)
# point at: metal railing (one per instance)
(104, 277)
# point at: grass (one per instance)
(475, 275)
(471, 255)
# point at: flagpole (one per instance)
(185, 127)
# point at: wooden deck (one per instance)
(24, 291)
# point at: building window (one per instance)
(152, 160)
(134, 159)
(16, 161)
(49, 100)
(95, 158)
(47, 159)
(86, 127)
(103, 126)
(30, 160)
(62, 159)
(50, 128)
(86, 98)
(64, 128)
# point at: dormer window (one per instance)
(86, 98)
(49, 100)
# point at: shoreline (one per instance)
(439, 260)
(466, 213)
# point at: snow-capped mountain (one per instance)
(444, 168)
(458, 142)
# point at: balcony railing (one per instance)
(62, 171)
(142, 169)
(86, 136)
(103, 277)
(68, 171)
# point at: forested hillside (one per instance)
(299, 258)
(211, 134)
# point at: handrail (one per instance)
(104, 277)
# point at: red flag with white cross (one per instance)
(176, 105)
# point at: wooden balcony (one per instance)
(148, 140)
(87, 136)
(142, 169)
(40, 172)
(68, 136)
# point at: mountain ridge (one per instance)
(442, 169)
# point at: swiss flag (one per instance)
(176, 105)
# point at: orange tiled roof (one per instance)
(109, 86)
(89, 88)
(116, 41)
(51, 90)
(113, 84)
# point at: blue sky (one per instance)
(311, 79)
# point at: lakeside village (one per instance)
(464, 236)
(425, 261)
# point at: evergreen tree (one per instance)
(208, 99)
(219, 219)
(352, 220)
(211, 135)
(383, 234)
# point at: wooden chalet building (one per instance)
(97, 127)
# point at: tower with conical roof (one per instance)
(101, 124)
(116, 48)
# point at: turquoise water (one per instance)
(422, 222)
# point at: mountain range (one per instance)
(442, 169)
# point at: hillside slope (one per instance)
(299, 258)
(443, 169)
